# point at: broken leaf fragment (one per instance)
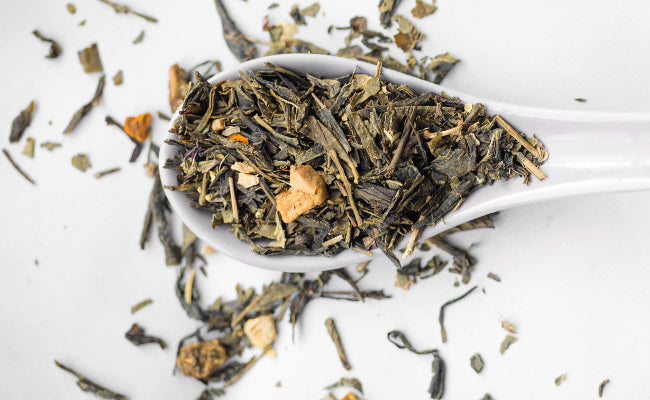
(476, 362)
(55, 48)
(21, 122)
(80, 161)
(89, 58)
(85, 109)
(408, 36)
(509, 340)
(50, 145)
(118, 79)
(560, 379)
(423, 9)
(29, 147)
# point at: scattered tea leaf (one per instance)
(261, 331)
(50, 145)
(163, 116)
(71, 8)
(437, 385)
(298, 15)
(87, 385)
(399, 339)
(139, 38)
(141, 305)
(138, 337)
(476, 362)
(408, 36)
(17, 167)
(55, 48)
(273, 5)
(118, 79)
(178, 86)
(21, 122)
(80, 161)
(158, 204)
(334, 334)
(507, 342)
(85, 109)
(386, 10)
(601, 387)
(440, 66)
(347, 382)
(82, 23)
(508, 326)
(487, 397)
(89, 58)
(106, 172)
(122, 9)
(423, 9)
(241, 47)
(494, 276)
(441, 316)
(560, 379)
(29, 147)
(580, 100)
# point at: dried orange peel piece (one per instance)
(138, 127)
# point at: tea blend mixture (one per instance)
(320, 165)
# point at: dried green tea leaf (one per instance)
(437, 385)
(476, 362)
(347, 382)
(82, 23)
(29, 148)
(50, 145)
(423, 9)
(89, 58)
(139, 38)
(311, 10)
(440, 65)
(441, 316)
(17, 167)
(87, 385)
(386, 10)
(408, 36)
(21, 122)
(138, 337)
(106, 172)
(141, 305)
(580, 100)
(241, 47)
(508, 326)
(560, 379)
(487, 397)
(85, 109)
(273, 5)
(601, 387)
(118, 79)
(334, 334)
(507, 342)
(158, 204)
(122, 9)
(55, 48)
(494, 276)
(298, 15)
(80, 161)
(71, 8)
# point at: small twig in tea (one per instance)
(122, 9)
(87, 385)
(106, 172)
(248, 366)
(441, 316)
(601, 387)
(17, 167)
(140, 305)
(189, 286)
(334, 334)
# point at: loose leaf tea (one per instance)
(158, 204)
(55, 48)
(107, 172)
(476, 362)
(507, 342)
(118, 79)
(423, 9)
(89, 58)
(437, 385)
(322, 165)
(50, 145)
(334, 334)
(494, 276)
(580, 100)
(17, 167)
(71, 8)
(80, 161)
(139, 38)
(441, 316)
(241, 47)
(122, 9)
(601, 387)
(349, 382)
(85, 109)
(386, 10)
(560, 379)
(29, 147)
(21, 122)
(137, 336)
(508, 326)
(299, 15)
(141, 305)
(87, 385)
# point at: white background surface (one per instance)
(574, 272)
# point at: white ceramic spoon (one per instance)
(588, 153)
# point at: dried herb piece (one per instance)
(80, 161)
(21, 122)
(122, 9)
(71, 8)
(29, 147)
(17, 167)
(334, 334)
(437, 385)
(261, 331)
(200, 360)
(487, 397)
(508, 326)
(178, 86)
(408, 36)
(299, 15)
(158, 203)
(494, 276)
(141, 305)
(386, 10)
(163, 116)
(106, 172)
(347, 382)
(441, 316)
(440, 66)
(55, 48)
(139, 38)
(241, 47)
(423, 9)
(580, 100)
(138, 127)
(476, 362)
(399, 339)
(87, 385)
(89, 58)
(601, 387)
(273, 5)
(560, 379)
(137, 336)
(85, 109)
(50, 145)
(507, 342)
(118, 79)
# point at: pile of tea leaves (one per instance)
(320, 165)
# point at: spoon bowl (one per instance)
(588, 153)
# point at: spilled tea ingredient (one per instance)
(122, 9)
(55, 48)
(50, 145)
(85, 109)
(349, 382)
(509, 340)
(29, 147)
(138, 337)
(89, 58)
(560, 379)
(141, 305)
(601, 387)
(17, 167)
(21, 122)
(334, 334)
(441, 315)
(476, 362)
(118, 78)
(81, 162)
(106, 172)
(87, 385)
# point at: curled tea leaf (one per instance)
(21, 122)
(137, 336)
(55, 48)
(85, 109)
